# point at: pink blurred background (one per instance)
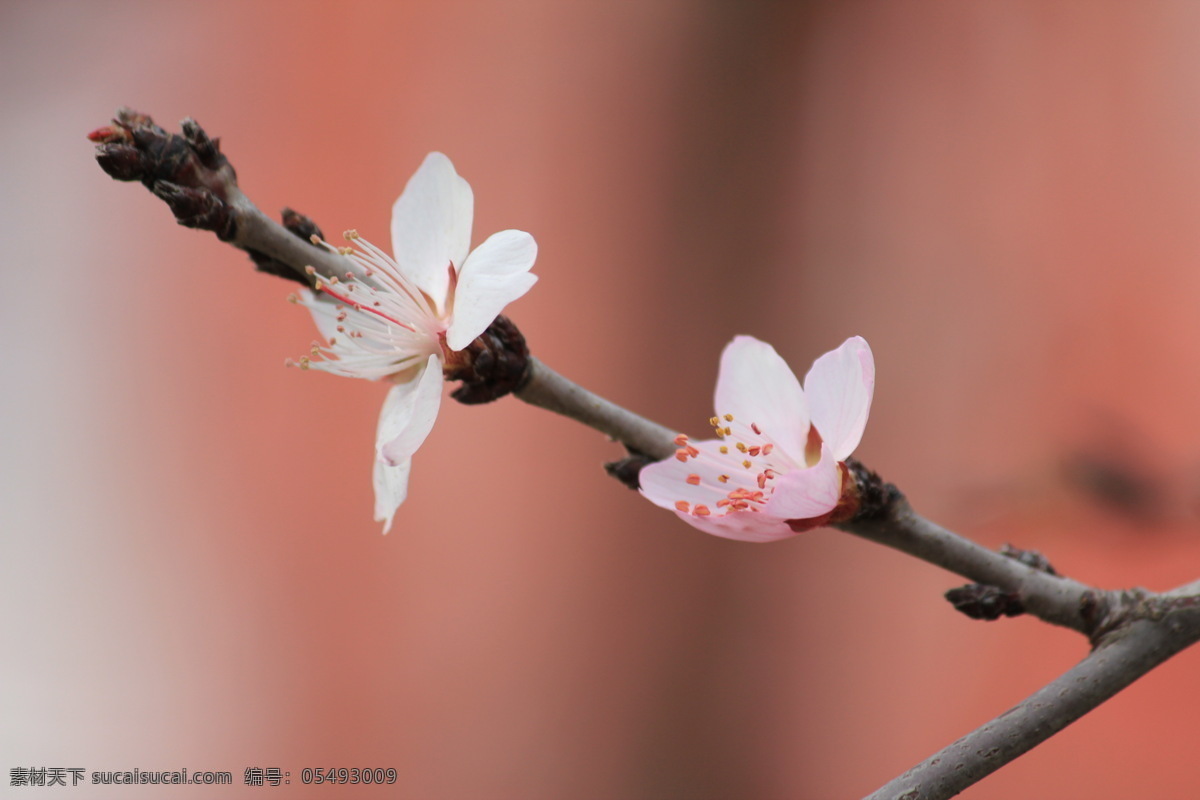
(1002, 197)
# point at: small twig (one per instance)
(1126, 655)
(551, 391)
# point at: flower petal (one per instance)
(494, 275)
(744, 526)
(431, 225)
(807, 493)
(324, 312)
(839, 388)
(408, 414)
(391, 487)
(665, 483)
(756, 386)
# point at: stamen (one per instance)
(723, 478)
(681, 439)
(683, 505)
(701, 511)
(754, 427)
(693, 479)
(729, 417)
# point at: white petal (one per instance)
(839, 388)
(431, 225)
(408, 414)
(807, 493)
(324, 312)
(757, 387)
(391, 487)
(494, 275)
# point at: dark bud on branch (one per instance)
(302, 227)
(187, 171)
(1030, 558)
(979, 601)
(875, 496)
(197, 208)
(495, 364)
(626, 469)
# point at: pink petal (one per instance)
(391, 487)
(665, 483)
(494, 275)
(757, 387)
(809, 492)
(744, 526)
(839, 388)
(408, 414)
(431, 225)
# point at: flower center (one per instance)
(377, 320)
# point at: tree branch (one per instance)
(1141, 644)
(1052, 598)
(551, 391)
(1131, 631)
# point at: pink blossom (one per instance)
(405, 319)
(776, 467)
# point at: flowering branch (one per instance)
(1131, 631)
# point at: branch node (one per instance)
(979, 601)
(1030, 558)
(876, 497)
(626, 470)
(495, 364)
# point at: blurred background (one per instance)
(1000, 196)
